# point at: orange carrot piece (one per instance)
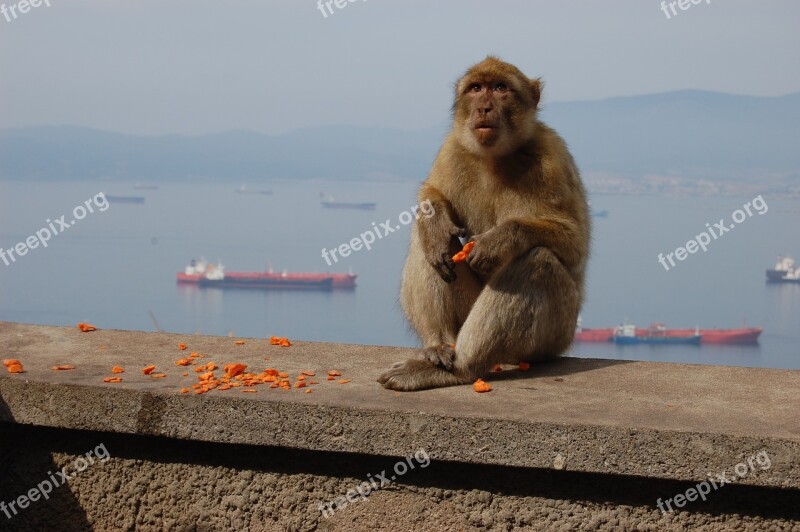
(113, 379)
(63, 367)
(149, 369)
(331, 378)
(183, 362)
(238, 342)
(462, 255)
(480, 386)
(344, 381)
(524, 366)
(308, 373)
(10, 362)
(185, 390)
(308, 390)
(334, 373)
(158, 375)
(117, 369)
(182, 346)
(283, 374)
(249, 391)
(232, 370)
(86, 327)
(15, 368)
(300, 384)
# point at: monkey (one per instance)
(505, 180)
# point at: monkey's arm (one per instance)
(512, 238)
(437, 231)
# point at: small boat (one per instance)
(655, 334)
(784, 271)
(244, 190)
(136, 200)
(203, 274)
(330, 203)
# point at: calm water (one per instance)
(111, 268)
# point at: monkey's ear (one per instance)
(536, 85)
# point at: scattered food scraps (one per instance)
(158, 375)
(308, 373)
(344, 381)
(185, 390)
(334, 373)
(113, 379)
(86, 327)
(232, 370)
(63, 367)
(281, 341)
(183, 362)
(239, 342)
(148, 369)
(480, 386)
(117, 369)
(524, 366)
(15, 368)
(182, 346)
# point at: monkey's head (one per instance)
(495, 106)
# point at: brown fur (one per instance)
(507, 181)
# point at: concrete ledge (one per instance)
(662, 421)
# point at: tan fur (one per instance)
(512, 187)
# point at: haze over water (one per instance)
(111, 268)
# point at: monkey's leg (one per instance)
(527, 311)
(434, 308)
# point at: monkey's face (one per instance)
(495, 108)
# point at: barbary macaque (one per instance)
(506, 181)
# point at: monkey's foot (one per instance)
(441, 355)
(417, 375)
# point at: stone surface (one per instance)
(664, 421)
(155, 484)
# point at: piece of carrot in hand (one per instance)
(462, 255)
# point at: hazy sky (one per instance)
(197, 66)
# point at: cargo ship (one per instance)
(330, 203)
(134, 200)
(784, 272)
(655, 334)
(744, 335)
(201, 273)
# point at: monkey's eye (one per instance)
(475, 87)
(501, 87)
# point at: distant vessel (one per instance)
(598, 214)
(201, 273)
(655, 334)
(138, 200)
(144, 186)
(784, 272)
(744, 335)
(244, 190)
(329, 202)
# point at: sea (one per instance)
(116, 267)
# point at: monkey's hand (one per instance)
(493, 249)
(438, 234)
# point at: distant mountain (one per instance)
(683, 133)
